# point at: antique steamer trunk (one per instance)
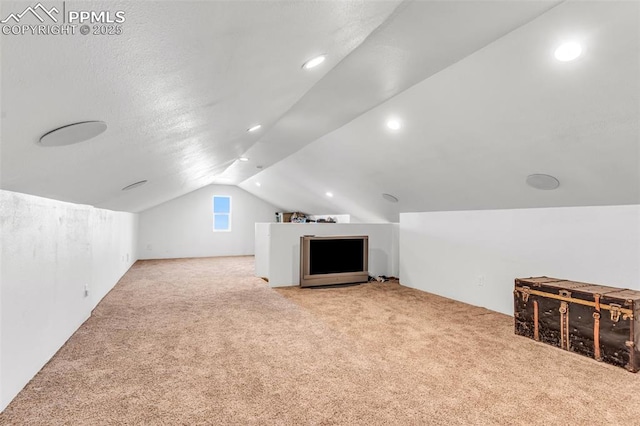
(596, 321)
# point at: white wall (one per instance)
(50, 251)
(183, 227)
(262, 242)
(474, 256)
(284, 247)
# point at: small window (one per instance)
(221, 213)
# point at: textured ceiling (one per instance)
(178, 90)
(482, 101)
(420, 39)
(473, 132)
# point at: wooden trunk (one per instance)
(596, 321)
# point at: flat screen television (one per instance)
(333, 260)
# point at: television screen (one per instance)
(332, 256)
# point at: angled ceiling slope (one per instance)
(418, 40)
(472, 133)
(178, 89)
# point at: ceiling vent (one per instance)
(73, 133)
(390, 198)
(544, 182)
(134, 185)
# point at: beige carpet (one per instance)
(202, 341)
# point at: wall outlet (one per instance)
(149, 247)
(86, 290)
(480, 280)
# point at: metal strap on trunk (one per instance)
(628, 313)
(564, 325)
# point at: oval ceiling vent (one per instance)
(544, 182)
(134, 185)
(390, 198)
(73, 133)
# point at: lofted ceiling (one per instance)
(481, 99)
(472, 133)
(178, 90)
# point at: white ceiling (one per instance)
(482, 100)
(178, 89)
(420, 39)
(474, 131)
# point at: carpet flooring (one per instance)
(202, 341)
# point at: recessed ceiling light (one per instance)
(390, 198)
(254, 128)
(312, 63)
(544, 182)
(329, 194)
(243, 159)
(568, 51)
(258, 184)
(394, 124)
(134, 185)
(73, 133)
